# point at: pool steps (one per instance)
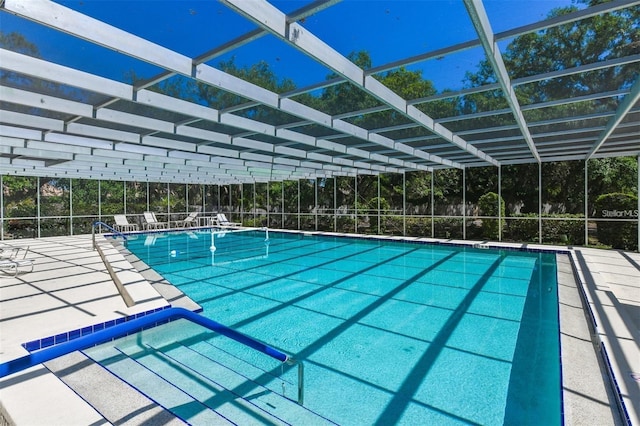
(92, 382)
(189, 383)
(149, 371)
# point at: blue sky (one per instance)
(388, 30)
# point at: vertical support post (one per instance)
(124, 196)
(186, 196)
(268, 205)
(355, 202)
(147, 209)
(282, 204)
(638, 211)
(100, 198)
(464, 203)
(255, 206)
(404, 203)
(379, 214)
(70, 205)
(1, 209)
(586, 202)
(540, 202)
(433, 177)
(315, 203)
(298, 203)
(242, 203)
(168, 205)
(499, 202)
(38, 212)
(335, 204)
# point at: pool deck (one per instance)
(70, 288)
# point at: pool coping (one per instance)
(611, 327)
(583, 383)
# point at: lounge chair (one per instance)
(187, 221)
(8, 252)
(123, 225)
(13, 264)
(152, 221)
(221, 220)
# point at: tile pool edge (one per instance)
(48, 341)
(494, 245)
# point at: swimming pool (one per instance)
(390, 332)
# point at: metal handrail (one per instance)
(99, 223)
(134, 325)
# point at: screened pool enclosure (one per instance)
(475, 120)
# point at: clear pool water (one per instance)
(390, 332)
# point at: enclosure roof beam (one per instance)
(240, 41)
(525, 80)
(627, 104)
(207, 74)
(460, 47)
(40, 68)
(480, 21)
(273, 20)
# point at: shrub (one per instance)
(345, 224)
(448, 227)
(488, 205)
(616, 233)
(419, 226)
(522, 228)
(569, 232)
(475, 230)
(392, 225)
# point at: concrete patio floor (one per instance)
(70, 288)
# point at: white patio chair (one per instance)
(12, 265)
(188, 221)
(222, 220)
(152, 221)
(8, 252)
(123, 225)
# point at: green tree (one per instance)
(259, 74)
(610, 175)
(596, 39)
(16, 42)
(618, 234)
(20, 194)
(520, 187)
(563, 185)
(346, 96)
